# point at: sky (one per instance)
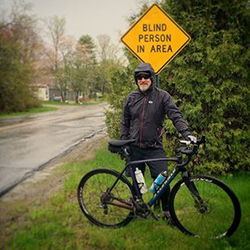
(92, 17)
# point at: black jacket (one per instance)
(143, 116)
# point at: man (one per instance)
(143, 115)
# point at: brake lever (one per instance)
(185, 142)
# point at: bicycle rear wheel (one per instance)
(215, 215)
(103, 208)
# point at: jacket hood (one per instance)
(145, 67)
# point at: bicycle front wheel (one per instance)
(214, 211)
(101, 206)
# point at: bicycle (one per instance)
(200, 205)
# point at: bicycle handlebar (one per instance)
(189, 152)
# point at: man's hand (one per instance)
(192, 138)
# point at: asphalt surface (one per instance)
(29, 143)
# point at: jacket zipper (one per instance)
(142, 120)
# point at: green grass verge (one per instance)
(60, 224)
(29, 112)
(46, 108)
(91, 102)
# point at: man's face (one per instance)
(143, 81)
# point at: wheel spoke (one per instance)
(217, 215)
(93, 194)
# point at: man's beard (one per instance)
(143, 87)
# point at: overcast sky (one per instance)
(92, 17)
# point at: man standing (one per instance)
(143, 115)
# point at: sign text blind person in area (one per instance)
(155, 38)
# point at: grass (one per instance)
(60, 224)
(90, 102)
(46, 108)
(28, 112)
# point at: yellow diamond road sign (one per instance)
(155, 38)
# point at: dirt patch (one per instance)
(38, 188)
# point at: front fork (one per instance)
(198, 201)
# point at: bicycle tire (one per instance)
(222, 213)
(90, 190)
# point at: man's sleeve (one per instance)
(175, 116)
(125, 123)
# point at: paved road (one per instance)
(28, 143)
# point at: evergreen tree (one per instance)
(210, 78)
(89, 45)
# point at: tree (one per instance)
(89, 46)
(108, 59)
(82, 67)
(20, 48)
(59, 52)
(121, 84)
(56, 27)
(89, 64)
(210, 78)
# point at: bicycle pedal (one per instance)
(156, 217)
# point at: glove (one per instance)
(192, 138)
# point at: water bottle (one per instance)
(158, 181)
(140, 180)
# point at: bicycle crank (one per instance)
(142, 209)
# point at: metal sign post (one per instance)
(157, 81)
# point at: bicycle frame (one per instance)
(179, 168)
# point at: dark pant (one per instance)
(155, 167)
